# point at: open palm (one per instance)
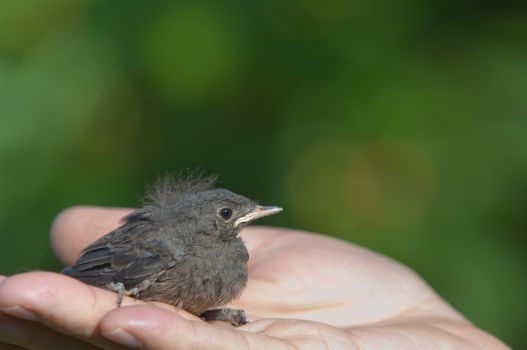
(304, 291)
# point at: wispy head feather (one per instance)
(171, 188)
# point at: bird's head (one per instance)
(224, 213)
(195, 206)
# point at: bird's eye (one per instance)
(226, 213)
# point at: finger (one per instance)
(141, 327)
(60, 302)
(16, 334)
(5, 345)
(76, 227)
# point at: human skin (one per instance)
(305, 291)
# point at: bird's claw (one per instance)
(122, 292)
(236, 317)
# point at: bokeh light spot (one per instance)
(190, 52)
(336, 188)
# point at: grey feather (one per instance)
(182, 247)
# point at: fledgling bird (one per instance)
(182, 247)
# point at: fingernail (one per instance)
(20, 312)
(121, 336)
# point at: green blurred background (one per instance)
(398, 125)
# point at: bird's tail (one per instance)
(69, 271)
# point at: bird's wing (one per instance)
(118, 257)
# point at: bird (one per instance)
(182, 247)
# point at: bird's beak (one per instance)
(256, 213)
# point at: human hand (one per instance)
(304, 291)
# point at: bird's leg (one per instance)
(134, 292)
(236, 317)
(121, 291)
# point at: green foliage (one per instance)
(400, 126)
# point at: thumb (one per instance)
(146, 327)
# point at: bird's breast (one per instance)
(226, 271)
(206, 277)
